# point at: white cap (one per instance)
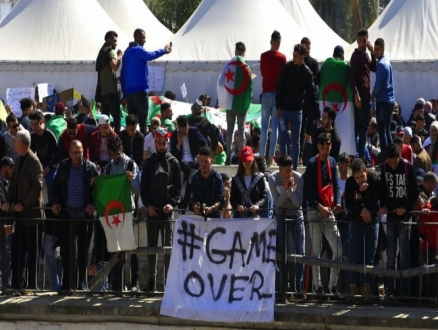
(103, 119)
(420, 101)
(407, 131)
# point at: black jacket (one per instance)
(397, 192)
(312, 64)
(257, 195)
(296, 89)
(355, 200)
(59, 189)
(196, 142)
(160, 181)
(206, 129)
(137, 146)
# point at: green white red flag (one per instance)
(112, 196)
(234, 87)
(334, 91)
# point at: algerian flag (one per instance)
(234, 87)
(334, 91)
(112, 195)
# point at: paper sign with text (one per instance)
(222, 270)
(44, 90)
(184, 90)
(14, 95)
(156, 78)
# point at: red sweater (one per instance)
(271, 63)
(430, 231)
(406, 153)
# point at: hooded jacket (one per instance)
(134, 76)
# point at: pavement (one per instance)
(53, 311)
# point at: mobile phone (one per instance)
(170, 44)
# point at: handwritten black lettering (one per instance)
(221, 286)
(186, 234)
(215, 251)
(271, 247)
(194, 275)
(234, 279)
(241, 250)
(255, 289)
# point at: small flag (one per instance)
(112, 195)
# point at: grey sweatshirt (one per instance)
(291, 199)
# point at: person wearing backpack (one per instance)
(323, 196)
(399, 193)
(160, 192)
(248, 190)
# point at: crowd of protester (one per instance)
(53, 159)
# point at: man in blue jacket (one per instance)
(134, 76)
(383, 95)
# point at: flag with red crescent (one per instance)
(335, 91)
(234, 87)
(112, 197)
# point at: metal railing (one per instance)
(35, 251)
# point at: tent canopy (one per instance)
(212, 31)
(409, 29)
(133, 14)
(322, 36)
(56, 30)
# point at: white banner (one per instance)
(45, 90)
(14, 95)
(222, 270)
(156, 78)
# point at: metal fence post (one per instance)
(284, 270)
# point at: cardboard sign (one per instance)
(14, 95)
(69, 97)
(222, 271)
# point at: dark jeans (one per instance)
(362, 248)
(187, 171)
(111, 106)
(384, 117)
(138, 104)
(24, 256)
(159, 225)
(74, 230)
(362, 118)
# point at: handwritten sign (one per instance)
(14, 95)
(184, 90)
(44, 90)
(156, 78)
(222, 270)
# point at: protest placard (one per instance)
(184, 91)
(222, 270)
(14, 95)
(156, 78)
(69, 97)
(44, 90)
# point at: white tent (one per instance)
(54, 41)
(133, 14)
(207, 40)
(410, 30)
(214, 28)
(322, 36)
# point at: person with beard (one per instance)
(44, 145)
(134, 77)
(328, 126)
(160, 193)
(107, 64)
(166, 116)
(207, 186)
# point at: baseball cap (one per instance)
(246, 155)
(344, 157)
(419, 173)
(420, 101)
(339, 50)
(407, 131)
(103, 119)
(197, 107)
(400, 131)
(6, 161)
